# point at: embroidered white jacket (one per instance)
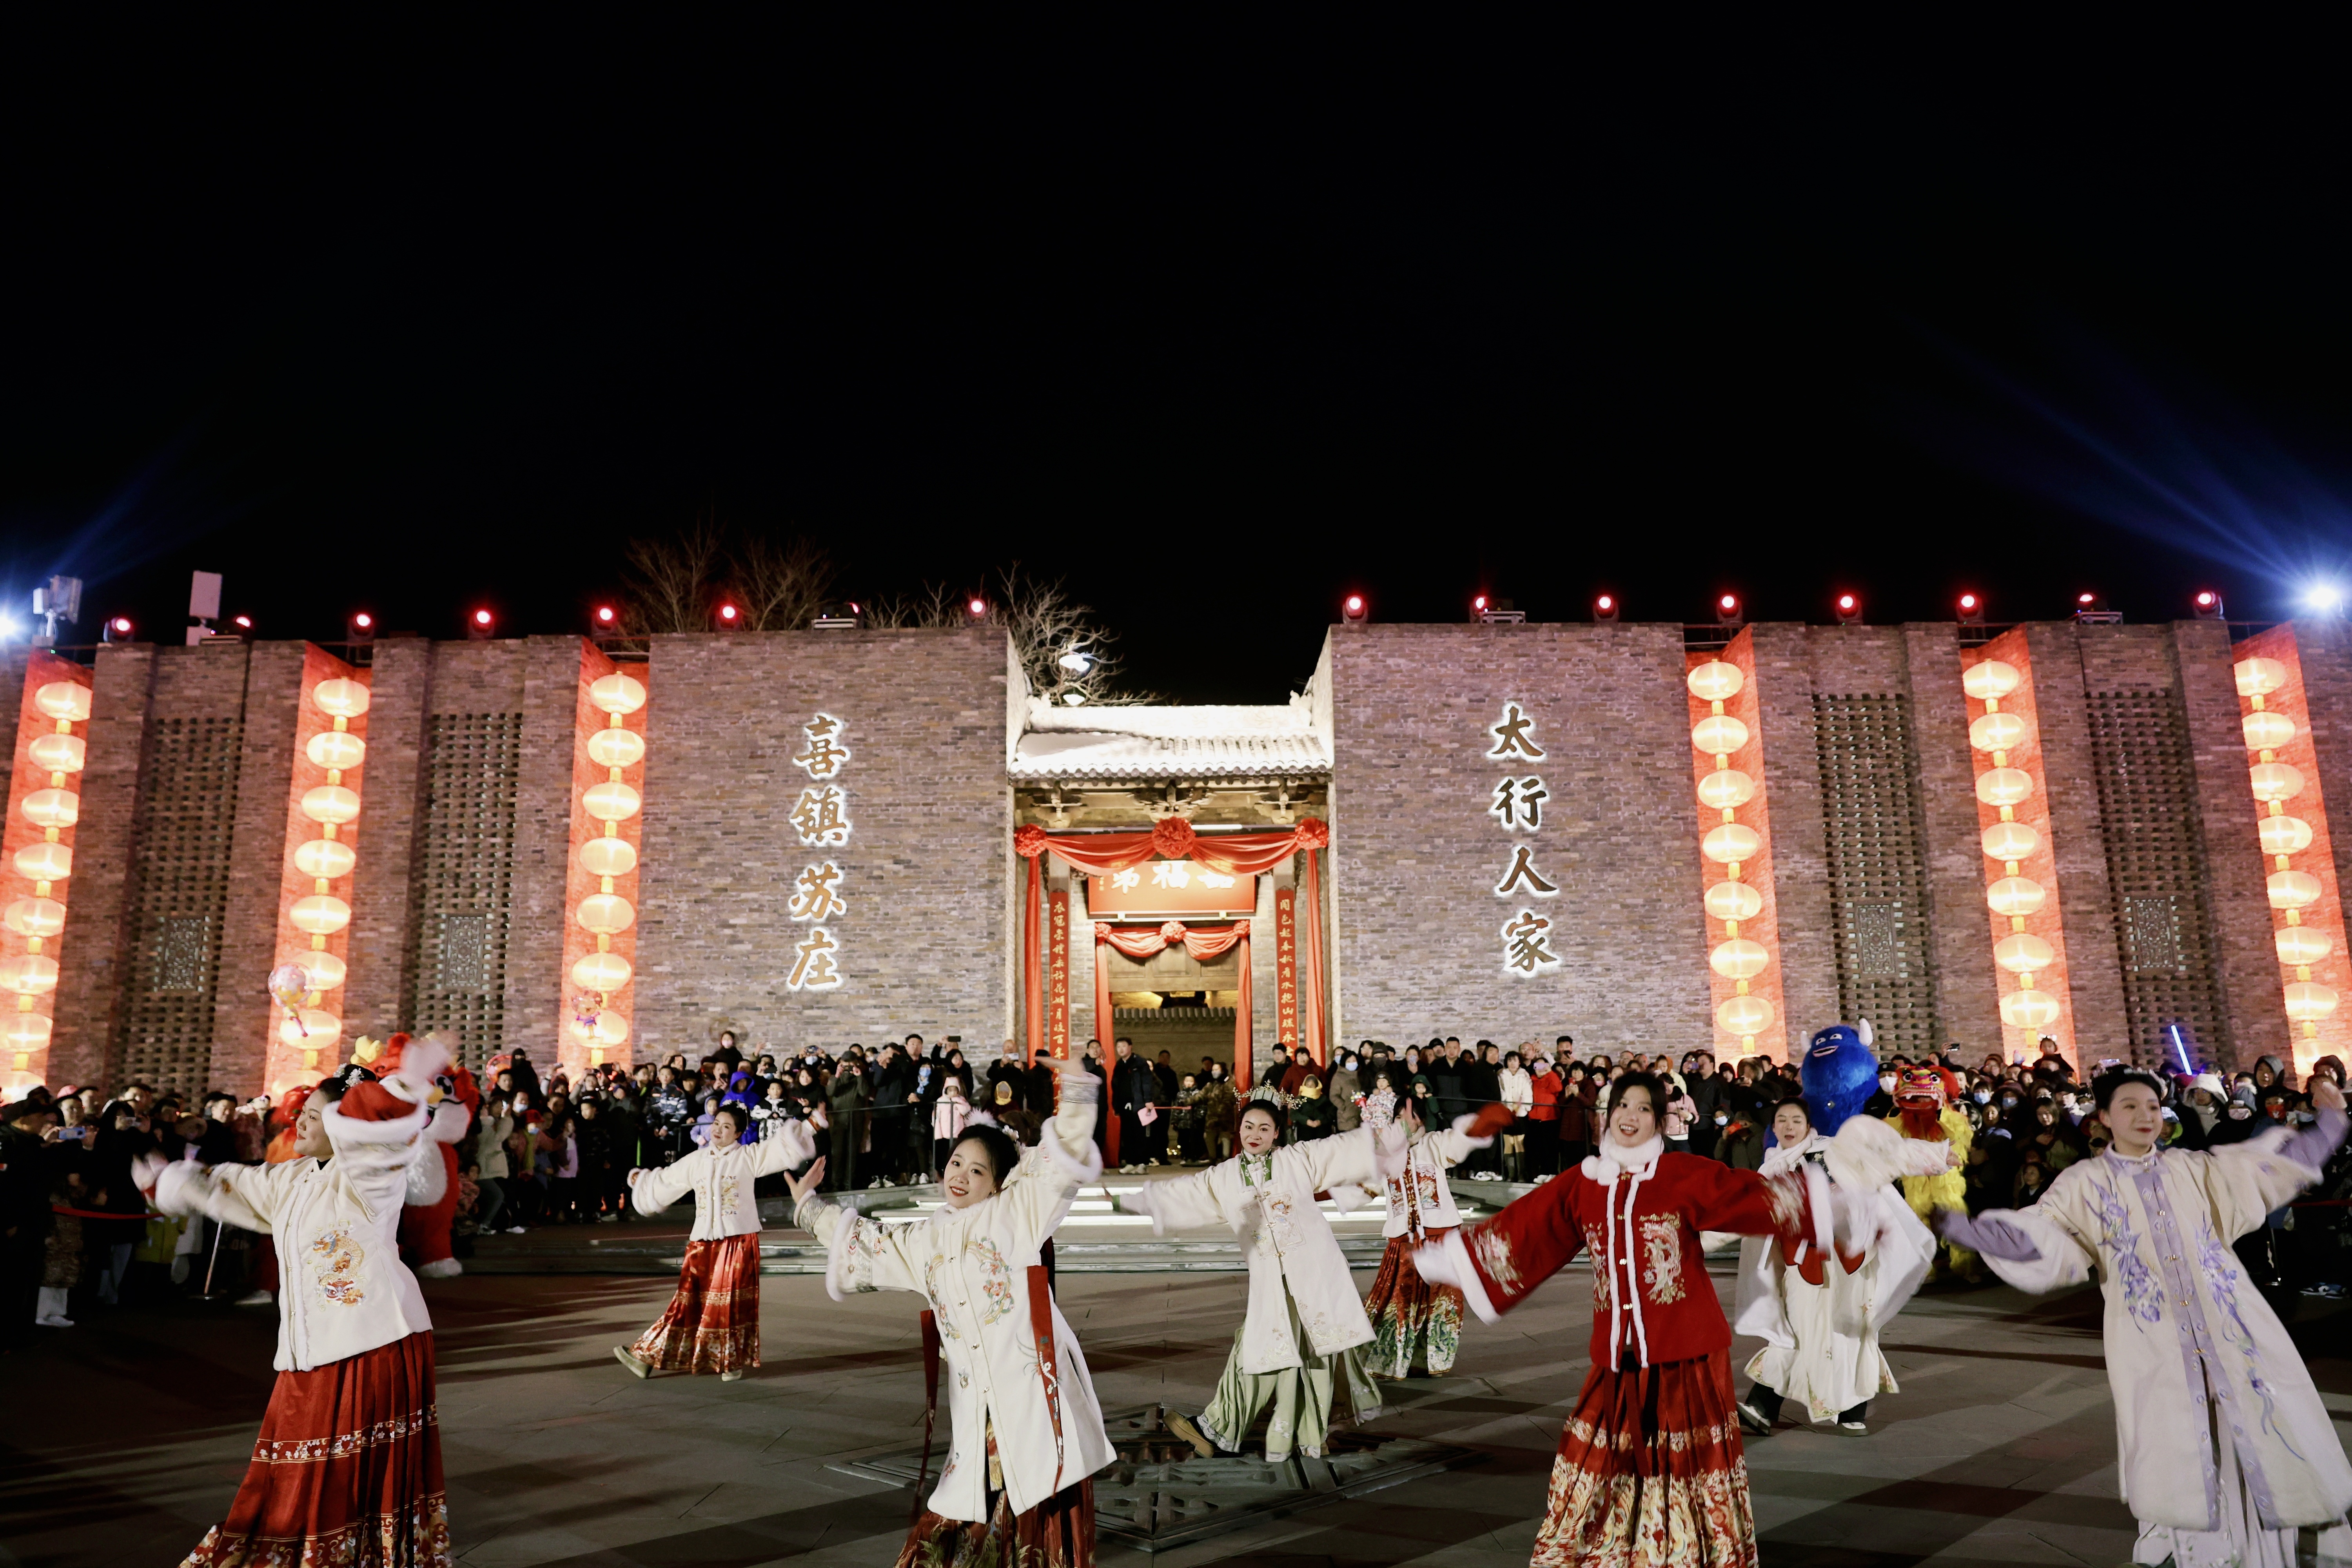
(1420, 1198)
(973, 1266)
(720, 1181)
(342, 1287)
(1288, 1243)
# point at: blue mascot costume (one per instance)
(1839, 1073)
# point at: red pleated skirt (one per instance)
(1650, 1473)
(347, 1471)
(1412, 1320)
(1058, 1533)
(712, 1324)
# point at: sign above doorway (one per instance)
(1180, 889)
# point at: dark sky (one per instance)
(1216, 320)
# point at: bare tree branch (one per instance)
(780, 588)
(668, 580)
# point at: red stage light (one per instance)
(1354, 602)
(363, 620)
(245, 621)
(2204, 598)
(977, 606)
(726, 611)
(2084, 598)
(1845, 601)
(605, 614)
(482, 617)
(1479, 603)
(1730, 603)
(1968, 601)
(1606, 601)
(121, 623)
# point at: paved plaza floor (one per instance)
(124, 1437)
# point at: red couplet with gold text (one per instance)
(1057, 978)
(1285, 964)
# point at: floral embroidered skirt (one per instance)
(712, 1324)
(347, 1470)
(1058, 1533)
(1412, 1320)
(1650, 1473)
(1301, 1397)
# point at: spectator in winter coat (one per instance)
(846, 1099)
(1345, 1084)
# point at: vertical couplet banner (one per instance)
(1286, 965)
(1057, 1010)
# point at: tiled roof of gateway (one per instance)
(1167, 743)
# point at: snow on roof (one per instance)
(1158, 742)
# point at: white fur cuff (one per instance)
(1463, 1124)
(800, 1143)
(343, 1130)
(1140, 1202)
(183, 1188)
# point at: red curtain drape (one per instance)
(1235, 854)
(1204, 942)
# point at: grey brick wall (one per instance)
(1415, 856)
(391, 804)
(927, 865)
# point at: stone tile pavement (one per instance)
(124, 1437)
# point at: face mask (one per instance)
(1886, 1080)
(1984, 1097)
(1720, 1119)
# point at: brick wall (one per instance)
(242, 1014)
(1968, 993)
(1415, 856)
(382, 923)
(89, 976)
(926, 868)
(2252, 990)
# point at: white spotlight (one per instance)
(1077, 663)
(2323, 598)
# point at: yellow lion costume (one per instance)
(1924, 1111)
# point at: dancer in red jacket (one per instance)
(1650, 1468)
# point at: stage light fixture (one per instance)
(117, 630)
(606, 617)
(1354, 611)
(976, 607)
(730, 617)
(2208, 605)
(358, 626)
(1727, 611)
(1849, 609)
(480, 625)
(1971, 610)
(2091, 611)
(838, 618)
(2323, 598)
(1604, 608)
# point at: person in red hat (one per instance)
(348, 1466)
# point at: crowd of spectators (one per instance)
(75, 1231)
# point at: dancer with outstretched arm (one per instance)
(712, 1323)
(1026, 1431)
(348, 1468)
(1650, 1470)
(2226, 1449)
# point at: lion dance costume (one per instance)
(1924, 1111)
(430, 1207)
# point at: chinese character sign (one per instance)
(1285, 964)
(1057, 999)
(821, 817)
(1517, 805)
(1171, 890)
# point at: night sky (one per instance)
(1218, 321)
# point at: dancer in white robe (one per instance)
(1818, 1309)
(1302, 1339)
(2226, 1449)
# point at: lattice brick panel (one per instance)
(2148, 812)
(180, 838)
(1877, 862)
(464, 881)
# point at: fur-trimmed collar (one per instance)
(1784, 1156)
(1613, 1158)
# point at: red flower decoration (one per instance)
(1029, 842)
(1314, 833)
(1173, 934)
(1172, 837)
